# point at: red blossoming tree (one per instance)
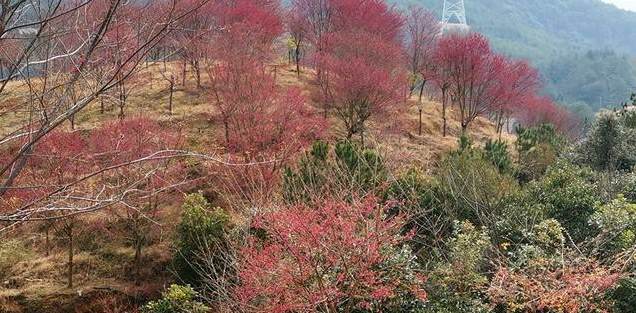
(471, 69)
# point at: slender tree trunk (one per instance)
(72, 121)
(70, 257)
(138, 248)
(362, 138)
(197, 71)
(444, 112)
(422, 90)
(171, 94)
(184, 72)
(419, 130)
(47, 242)
(298, 61)
(226, 126)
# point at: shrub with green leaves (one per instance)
(629, 190)
(568, 195)
(538, 148)
(548, 236)
(528, 138)
(202, 231)
(624, 295)
(497, 153)
(342, 172)
(472, 188)
(629, 119)
(457, 285)
(616, 224)
(177, 299)
(418, 197)
(609, 146)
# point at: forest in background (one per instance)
(582, 47)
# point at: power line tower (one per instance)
(454, 12)
(454, 17)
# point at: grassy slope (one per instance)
(39, 281)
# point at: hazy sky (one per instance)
(625, 4)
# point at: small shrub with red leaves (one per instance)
(339, 258)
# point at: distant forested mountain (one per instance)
(581, 46)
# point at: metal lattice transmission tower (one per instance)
(454, 12)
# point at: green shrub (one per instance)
(418, 197)
(457, 285)
(497, 153)
(616, 224)
(346, 172)
(362, 167)
(519, 214)
(629, 190)
(624, 296)
(528, 138)
(548, 236)
(472, 188)
(568, 195)
(201, 233)
(609, 146)
(629, 119)
(177, 299)
(538, 148)
(534, 163)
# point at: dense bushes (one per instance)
(177, 299)
(472, 187)
(456, 284)
(394, 244)
(616, 224)
(568, 195)
(343, 172)
(610, 145)
(538, 148)
(624, 296)
(497, 153)
(200, 234)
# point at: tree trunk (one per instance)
(121, 111)
(226, 126)
(298, 61)
(444, 113)
(362, 138)
(197, 71)
(171, 94)
(138, 247)
(47, 242)
(70, 257)
(72, 120)
(183, 74)
(419, 130)
(422, 90)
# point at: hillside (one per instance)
(563, 39)
(542, 29)
(35, 282)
